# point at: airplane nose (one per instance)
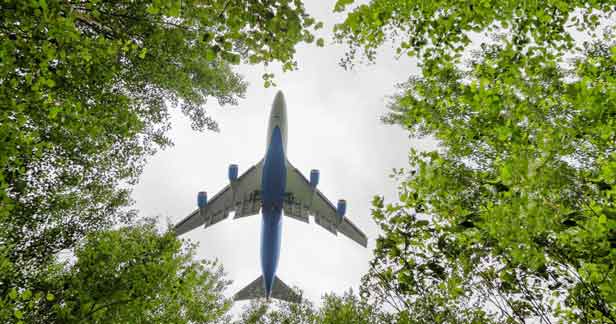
(279, 106)
(278, 118)
(279, 99)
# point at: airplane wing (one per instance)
(302, 200)
(241, 196)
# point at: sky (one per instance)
(333, 125)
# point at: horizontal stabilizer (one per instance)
(256, 289)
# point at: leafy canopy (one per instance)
(513, 218)
(441, 29)
(345, 308)
(133, 274)
(87, 88)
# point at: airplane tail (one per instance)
(256, 289)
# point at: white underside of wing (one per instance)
(241, 196)
(303, 200)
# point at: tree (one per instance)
(87, 87)
(441, 30)
(346, 308)
(274, 312)
(513, 217)
(349, 308)
(129, 275)
(414, 275)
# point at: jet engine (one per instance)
(314, 178)
(232, 172)
(341, 209)
(202, 199)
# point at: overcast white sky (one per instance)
(334, 126)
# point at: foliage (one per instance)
(442, 29)
(412, 274)
(133, 274)
(523, 194)
(86, 90)
(513, 218)
(347, 308)
(275, 312)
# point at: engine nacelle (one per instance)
(341, 209)
(202, 199)
(314, 178)
(232, 172)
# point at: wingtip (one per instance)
(176, 229)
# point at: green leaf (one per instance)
(53, 112)
(13, 294)
(210, 55)
(43, 5)
(341, 5)
(152, 9)
(26, 294)
(422, 223)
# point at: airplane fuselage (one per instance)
(273, 182)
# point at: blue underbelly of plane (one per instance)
(273, 182)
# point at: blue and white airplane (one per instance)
(272, 185)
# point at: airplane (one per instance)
(273, 185)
